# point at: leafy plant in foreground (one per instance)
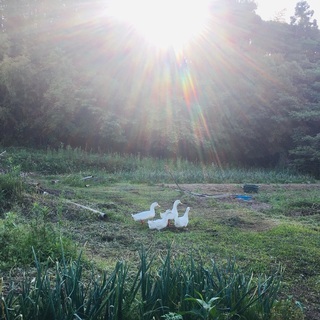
(168, 288)
(208, 309)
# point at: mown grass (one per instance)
(283, 232)
(289, 202)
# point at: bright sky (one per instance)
(268, 9)
(163, 22)
(173, 23)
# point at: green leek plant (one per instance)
(241, 295)
(208, 310)
(167, 289)
(59, 294)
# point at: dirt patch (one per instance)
(247, 223)
(254, 221)
(310, 304)
(308, 209)
(215, 189)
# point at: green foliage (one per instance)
(172, 316)
(302, 18)
(287, 309)
(156, 290)
(208, 310)
(18, 238)
(53, 91)
(307, 155)
(137, 169)
(70, 160)
(11, 187)
(169, 282)
(288, 203)
(60, 296)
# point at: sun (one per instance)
(164, 23)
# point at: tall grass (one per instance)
(137, 169)
(11, 186)
(156, 289)
(68, 160)
(17, 238)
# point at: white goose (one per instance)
(181, 222)
(171, 214)
(159, 223)
(144, 215)
(165, 214)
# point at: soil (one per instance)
(215, 189)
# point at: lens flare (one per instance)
(164, 23)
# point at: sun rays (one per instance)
(164, 23)
(163, 61)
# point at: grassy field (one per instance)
(278, 227)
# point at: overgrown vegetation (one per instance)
(115, 167)
(216, 269)
(17, 237)
(11, 187)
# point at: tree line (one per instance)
(247, 92)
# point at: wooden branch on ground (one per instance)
(101, 214)
(87, 178)
(175, 181)
(57, 193)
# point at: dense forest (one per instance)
(247, 92)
